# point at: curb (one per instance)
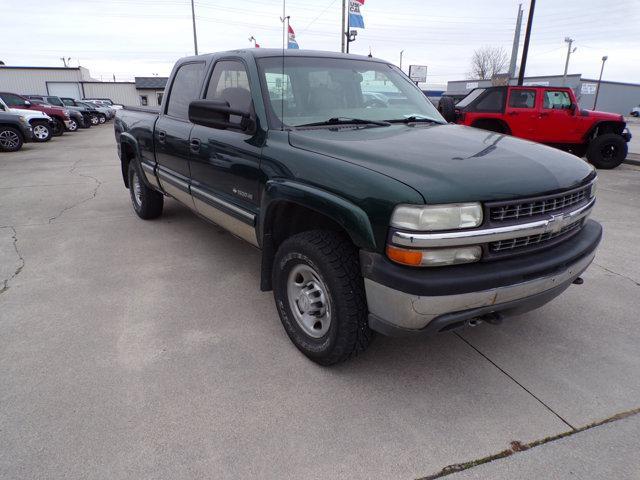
(633, 159)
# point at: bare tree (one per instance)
(487, 61)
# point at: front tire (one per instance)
(147, 203)
(10, 139)
(58, 127)
(607, 151)
(319, 293)
(42, 132)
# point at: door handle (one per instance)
(195, 145)
(513, 113)
(543, 114)
(162, 136)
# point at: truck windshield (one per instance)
(313, 90)
(471, 97)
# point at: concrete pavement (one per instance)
(133, 349)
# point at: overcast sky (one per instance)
(143, 37)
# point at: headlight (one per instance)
(66, 111)
(437, 217)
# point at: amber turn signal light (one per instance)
(403, 256)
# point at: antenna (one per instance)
(284, 19)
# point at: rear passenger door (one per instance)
(225, 164)
(172, 130)
(522, 113)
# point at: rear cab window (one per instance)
(184, 89)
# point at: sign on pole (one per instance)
(418, 73)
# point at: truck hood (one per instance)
(451, 163)
(607, 116)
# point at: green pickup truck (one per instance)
(371, 212)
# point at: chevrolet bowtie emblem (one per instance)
(556, 223)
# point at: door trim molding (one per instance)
(226, 207)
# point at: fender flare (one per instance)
(346, 214)
(129, 140)
(595, 126)
(343, 212)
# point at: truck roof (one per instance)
(277, 52)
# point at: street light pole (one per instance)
(527, 37)
(566, 64)
(343, 28)
(595, 100)
(195, 35)
(401, 52)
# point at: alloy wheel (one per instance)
(9, 139)
(41, 132)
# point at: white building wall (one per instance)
(34, 80)
(120, 92)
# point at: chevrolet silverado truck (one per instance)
(370, 216)
(549, 115)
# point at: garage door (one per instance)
(64, 89)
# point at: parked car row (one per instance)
(37, 118)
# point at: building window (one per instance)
(144, 101)
(159, 96)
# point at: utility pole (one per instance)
(516, 44)
(195, 35)
(566, 64)
(343, 28)
(595, 100)
(527, 37)
(401, 52)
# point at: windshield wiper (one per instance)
(412, 119)
(346, 121)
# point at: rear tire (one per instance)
(95, 120)
(73, 125)
(102, 118)
(147, 203)
(42, 132)
(319, 293)
(446, 107)
(10, 139)
(607, 151)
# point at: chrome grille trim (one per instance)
(532, 240)
(532, 207)
(549, 223)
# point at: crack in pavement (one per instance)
(514, 380)
(5, 282)
(516, 447)
(616, 273)
(84, 200)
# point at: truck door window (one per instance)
(184, 89)
(522, 99)
(556, 99)
(229, 82)
(491, 102)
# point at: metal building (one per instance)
(615, 97)
(76, 82)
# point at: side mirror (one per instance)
(27, 103)
(573, 107)
(216, 114)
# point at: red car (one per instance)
(59, 115)
(549, 115)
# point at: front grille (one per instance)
(524, 209)
(532, 240)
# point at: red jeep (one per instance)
(549, 115)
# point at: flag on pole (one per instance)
(292, 39)
(355, 16)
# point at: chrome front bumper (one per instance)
(393, 310)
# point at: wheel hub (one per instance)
(309, 301)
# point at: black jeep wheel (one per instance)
(147, 203)
(607, 151)
(58, 127)
(319, 293)
(446, 107)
